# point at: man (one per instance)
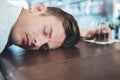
(38, 28)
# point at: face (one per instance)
(38, 32)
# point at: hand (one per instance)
(87, 33)
(90, 33)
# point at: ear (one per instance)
(40, 7)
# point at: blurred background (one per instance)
(85, 11)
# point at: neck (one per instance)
(25, 11)
(20, 22)
(22, 17)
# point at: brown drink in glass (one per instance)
(102, 33)
(101, 37)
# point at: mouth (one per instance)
(26, 40)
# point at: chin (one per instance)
(16, 41)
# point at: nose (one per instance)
(38, 42)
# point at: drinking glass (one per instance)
(102, 32)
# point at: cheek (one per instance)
(38, 35)
(36, 28)
(16, 38)
(36, 31)
(54, 45)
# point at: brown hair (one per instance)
(70, 26)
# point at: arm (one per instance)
(88, 33)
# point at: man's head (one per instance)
(45, 27)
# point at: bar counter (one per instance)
(86, 61)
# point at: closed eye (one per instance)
(48, 31)
(45, 32)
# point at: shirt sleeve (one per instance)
(8, 17)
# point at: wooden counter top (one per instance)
(86, 61)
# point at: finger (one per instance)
(90, 34)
